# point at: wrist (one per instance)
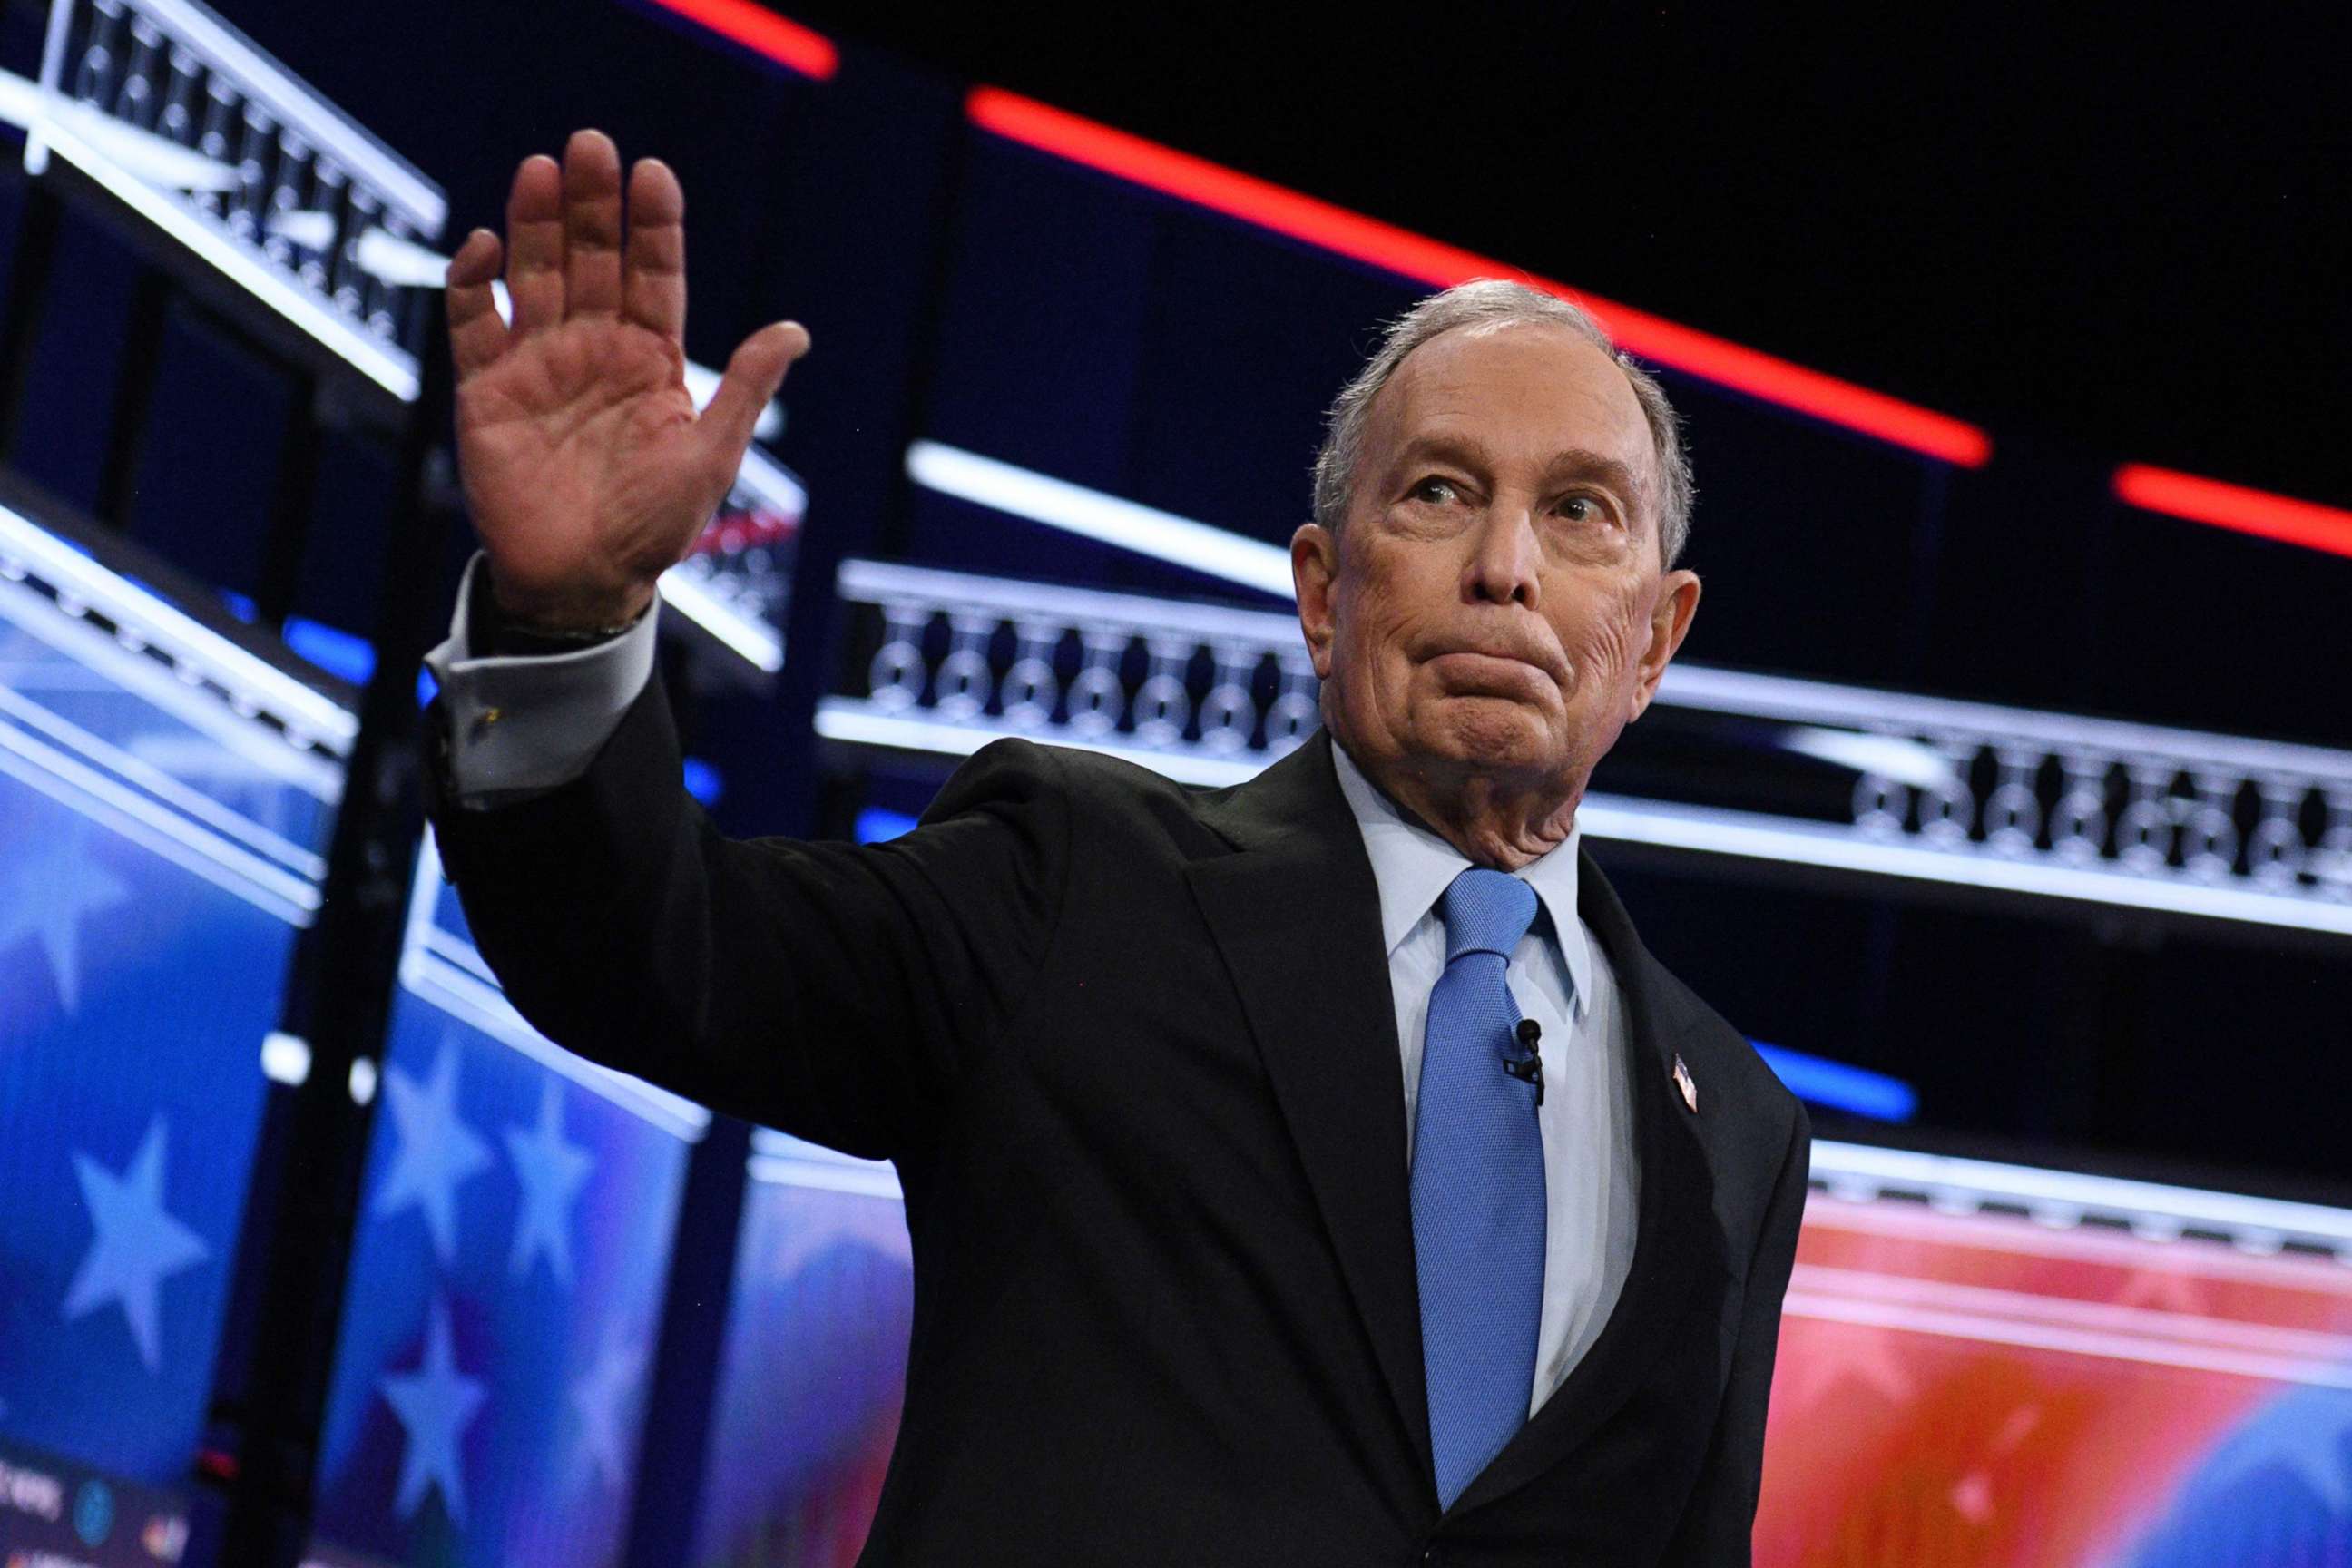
(576, 615)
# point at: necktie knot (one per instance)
(1485, 911)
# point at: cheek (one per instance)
(1373, 613)
(1603, 646)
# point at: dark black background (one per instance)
(2127, 231)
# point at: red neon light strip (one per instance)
(1414, 256)
(2194, 498)
(762, 32)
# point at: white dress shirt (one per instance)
(1562, 978)
(524, 725)
(521, 725)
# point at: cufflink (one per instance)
(1683, 1081)
(482, 722)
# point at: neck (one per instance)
(1495, 821)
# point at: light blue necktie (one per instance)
(1477, 1187)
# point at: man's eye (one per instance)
(1432, 489)
(1584, 509)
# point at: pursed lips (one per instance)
(1498, 655)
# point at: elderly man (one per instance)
(1315, 1171)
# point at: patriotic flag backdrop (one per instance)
(504, 1296)
(1986, 1392)
(815, 1370)
(134, 996)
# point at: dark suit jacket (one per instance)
(1131, 1046)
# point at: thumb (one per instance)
(753, 373)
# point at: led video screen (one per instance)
(813, 1368)
(506, 1286)
(1983, 1389)
(166, 797)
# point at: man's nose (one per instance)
(1504, 558)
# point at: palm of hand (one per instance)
(586, 467)
(579, 442)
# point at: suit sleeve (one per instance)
(839, 992)
(1720, 1517)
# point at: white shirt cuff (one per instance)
(524, 725)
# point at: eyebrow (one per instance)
(1569, 463)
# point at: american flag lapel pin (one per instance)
(1683, 1081)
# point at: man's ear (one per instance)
(1670, 622)
(1314, 573)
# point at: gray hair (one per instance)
(1494, 302)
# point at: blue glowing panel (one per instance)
(506, 1286)
(161, 831)
(879, 824)
(1841, 1086)
(813, 1369)
(133, 999)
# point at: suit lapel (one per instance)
(1675, 1223)
(1296, 914)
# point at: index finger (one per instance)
(653, 271)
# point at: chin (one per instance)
(1489, 733)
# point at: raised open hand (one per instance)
(586, 467)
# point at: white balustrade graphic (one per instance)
(1863, 1174)
(2016, 800)
(179, 116)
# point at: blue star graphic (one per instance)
(438, 1151)
(552, 1172)
(604, 1399)
(48, 899)
(435, 1403)
(138, 1244)
(2303, 1435)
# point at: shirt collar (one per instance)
(1412, 866)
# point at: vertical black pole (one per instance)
(20, 314)
(134, 397)
(673, 1452)
(343, 985)
(292, 502)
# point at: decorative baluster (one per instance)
(384, 301)
(895, 678)
(961, 690)
(95, 79)
(1097, 697)
(1162, 706)
(258, 150)
(1030, 689)
(178, 120)
(2333, 864)
(2210, 841)
(1293, 715)
(328, 184)
(1946, 806)
(137, 100)
(2078, 825)
(217, 139)
(2275, 852)
(286, 196)
(2143, 832)
(1881, 804)
(349, 282)
(1228, 715)
(2012, 812)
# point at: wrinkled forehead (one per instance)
(1523, 392)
